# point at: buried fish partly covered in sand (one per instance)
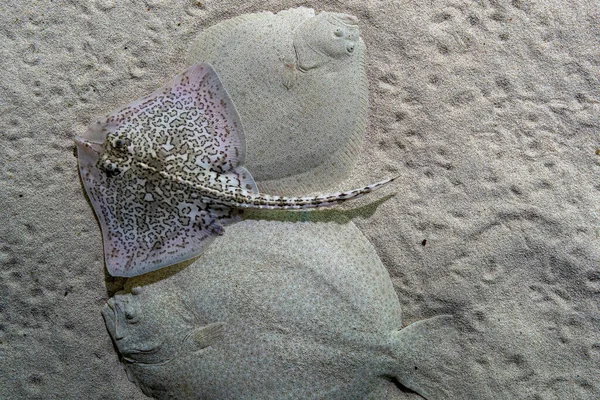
(299, 83)
(257, 319)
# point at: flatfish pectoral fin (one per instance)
(204, 336)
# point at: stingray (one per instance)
(165, 174)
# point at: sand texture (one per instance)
(488, 110)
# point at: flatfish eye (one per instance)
(136, 290)
(129, 314)
(350, 47)
(338, 32)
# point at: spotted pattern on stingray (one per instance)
(164, 174)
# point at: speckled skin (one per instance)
(256, 318)
(299, 83)
(165, 174)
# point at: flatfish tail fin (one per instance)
(431, 360)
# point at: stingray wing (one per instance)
(148, 222)
(188, 126)
(184, 129)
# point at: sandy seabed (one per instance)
(489, 111)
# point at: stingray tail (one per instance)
(428, 359)
(260, 200)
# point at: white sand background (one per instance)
(489, 111)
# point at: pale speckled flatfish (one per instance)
(299, 83)
(164, 174)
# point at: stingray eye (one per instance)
(338, 32)
(121, 144)
(111, 168)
